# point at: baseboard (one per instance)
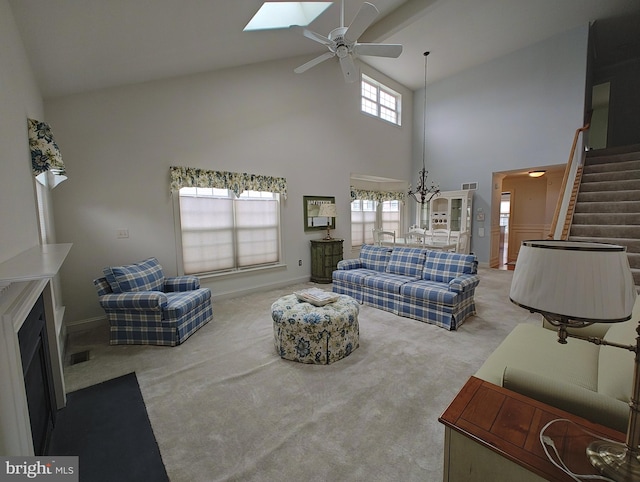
(259, 289)
(87, 324)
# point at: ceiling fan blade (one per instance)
(365, 17)
(379, 50)
(314, 62)
(312, 35)
(350, 70)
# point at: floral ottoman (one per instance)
(315, 334)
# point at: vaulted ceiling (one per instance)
(77, 46)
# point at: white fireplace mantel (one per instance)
(23, 279)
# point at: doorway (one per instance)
(505, 210)
(522, 207)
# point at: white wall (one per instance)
(118, 145)
(19, 99)
(518, 111)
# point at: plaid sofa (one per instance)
(146, 308)
(431, 286)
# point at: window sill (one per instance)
(240, 273)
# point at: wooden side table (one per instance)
(492, 433)
(325, 254)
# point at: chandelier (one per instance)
(424, 193)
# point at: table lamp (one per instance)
(327, 210)
(573, 285)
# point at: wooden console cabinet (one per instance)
(492, 433)
(325, 254)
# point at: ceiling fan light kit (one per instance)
(342, 42)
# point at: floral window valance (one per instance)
(46, 160)
(235, 181)
(379, 196)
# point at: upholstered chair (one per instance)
(146, 308)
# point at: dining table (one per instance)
(427, 243)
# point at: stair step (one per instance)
(612, 164)
(622, 185)
(613, 154)
(600, 230)
(608, 207)
(620, 175)
(609, 219)
(633, 245)
(608, 196)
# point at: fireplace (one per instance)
(26, 281)
(38, 378)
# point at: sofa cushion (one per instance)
(580, 401)
(406, 262)
(442, 266)
(615, 365)
(352, 276)
(536, 349)
(144, 276)
(429, 291)
(183, 302)
(374, 257)
(385, 282)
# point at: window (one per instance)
(222, 233)
(368, 214)
(363, 220)
(45, 218)
(390, 216)
(380, 101)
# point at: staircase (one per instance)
(607, 208)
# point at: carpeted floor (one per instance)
(224, 406)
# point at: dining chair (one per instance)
(380, 236)
(440, 235)
(414, 237)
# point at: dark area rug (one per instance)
(107, 426)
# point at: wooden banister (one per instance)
(567, 170)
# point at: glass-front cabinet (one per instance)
(451, 211)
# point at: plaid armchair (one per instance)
(145, 308)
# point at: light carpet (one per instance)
(224, 406)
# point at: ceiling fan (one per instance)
(343, 43)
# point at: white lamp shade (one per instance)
(327, 210)
(575, 280)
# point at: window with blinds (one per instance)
(390, 216)
(223, 233)
(367, 215)
(363, 220)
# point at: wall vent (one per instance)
(79, 357)
(466, 186)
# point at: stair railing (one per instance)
(563, 188)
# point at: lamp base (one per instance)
(328, 236)
(614, 460)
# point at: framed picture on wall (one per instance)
(313, 222)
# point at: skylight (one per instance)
(274, 15)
